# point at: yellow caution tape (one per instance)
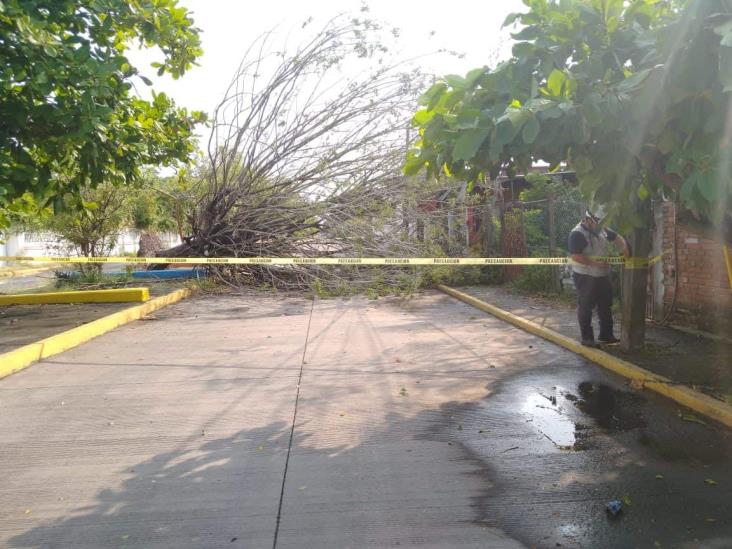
(633, 262)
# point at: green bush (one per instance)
(535, 279)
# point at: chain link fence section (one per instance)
(545, 227)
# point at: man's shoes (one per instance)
(590, 343)
(609, 341)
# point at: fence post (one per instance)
(487, 223)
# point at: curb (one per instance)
(19, 359)
(119, 295)
(699, 402)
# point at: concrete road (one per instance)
(278, 422)
(21, 284)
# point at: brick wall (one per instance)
(703, 291)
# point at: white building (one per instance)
(49, 244)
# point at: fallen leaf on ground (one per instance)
(659, 477)
(627, 500)
(692, 418)
(710, 482)
(636, 384)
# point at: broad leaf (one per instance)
(468, 143)
(555, 83)
(531, 130)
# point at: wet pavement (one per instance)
(250, 421)
(692, 360)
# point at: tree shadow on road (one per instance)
(452, 476)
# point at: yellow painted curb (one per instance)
(120, 295)
(685, 396)
(11, 273)
(21, 358)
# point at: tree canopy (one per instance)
(69, 113)
(633, 95)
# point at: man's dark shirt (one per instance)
(578, 242)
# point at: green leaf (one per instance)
(473, 76)
(468, 143)
(455, 81)
(432, 95)
(422, 117)
(707, 185)
(531, 130)
(522, 49)
(413, 165)
(510, 19)
(527, 33)
(642, 192)
(555, 83)
(467, 118)
(691, 418)
(633, 82)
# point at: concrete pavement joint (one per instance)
(699, 402)
(292, 430)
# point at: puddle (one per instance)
(554, 413)
(613, 410)
(550, 419)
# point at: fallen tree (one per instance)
(305, 156)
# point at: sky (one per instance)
(471, 27)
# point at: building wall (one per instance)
(701, 284)
(48, 244)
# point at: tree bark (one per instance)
(635, 291)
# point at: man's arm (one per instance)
(624, 248)
(612, 236)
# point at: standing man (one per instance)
(587, 242)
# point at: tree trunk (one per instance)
(635, 290)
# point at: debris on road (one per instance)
(691, 418)
(614, 507)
